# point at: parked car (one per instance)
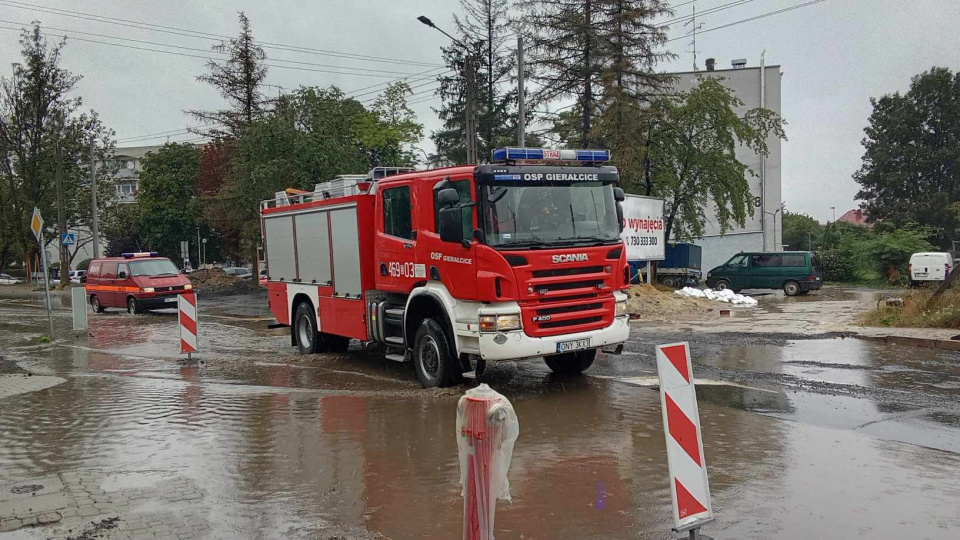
(795, 272)
(930, 266)
(263, 277)
(136, 281)
(240, 272)
(7, 279)
(76, 276)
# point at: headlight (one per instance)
(621, 308)
(499, 323)
(187, 287)
(147, 289)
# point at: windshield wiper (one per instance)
(526, 243)
(596, 239)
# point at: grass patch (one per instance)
(42, 339)
(918, 311)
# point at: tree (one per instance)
(121, 231)
(313, 135)
(911, 162)
(238, 79)
(694, 164)
(169, 208)
(485, 25)
(800, 231)
(890, 251)
(43, 137)
(601, 53)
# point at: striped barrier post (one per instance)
(689, 488)
(187, 306)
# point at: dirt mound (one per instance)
(648, 303)
(216, 282)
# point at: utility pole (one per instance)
(94, 225)
(521, 101)
(471, 128)
(61, 216)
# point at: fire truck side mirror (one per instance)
(451, 224)
(448, 197)
(618, 195)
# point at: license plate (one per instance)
(920, 274)
(575, 345)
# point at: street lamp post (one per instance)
(470, 121)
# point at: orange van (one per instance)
(135, 281)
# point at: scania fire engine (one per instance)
(457, 267)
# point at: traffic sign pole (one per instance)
(36, 226)
(46, 287)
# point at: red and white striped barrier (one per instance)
(187, 304)
(689, 487)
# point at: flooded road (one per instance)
(825, 437)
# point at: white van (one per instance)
(929, 267)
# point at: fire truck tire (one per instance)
(132, 307)
(435, 364)
(305, 329)
(572, 363)
(95, 304)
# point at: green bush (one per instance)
(837, 264)
(84, 264)
(890, 252)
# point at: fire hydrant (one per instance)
(487, 428)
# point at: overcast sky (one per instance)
(834, 55)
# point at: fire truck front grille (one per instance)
(571, 322)
(570, 285)
(556, 299)
(567, 271)
(569, 309)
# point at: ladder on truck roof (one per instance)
(341, 186)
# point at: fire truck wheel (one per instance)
(95, 304)
(305, 329)
(132, 307)
(572, 363)
(432, 360)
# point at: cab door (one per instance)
(396, 239)
(108, 283)
(124, 283)
(454, 264)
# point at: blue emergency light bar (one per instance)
(503, 155)
(140, 254)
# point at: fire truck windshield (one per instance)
(526, 214)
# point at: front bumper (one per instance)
(517, 345)
(158, 302)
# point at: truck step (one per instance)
(397, 357)
(394, 340)
(472, 375)
(394, 313)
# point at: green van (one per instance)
(795, 272)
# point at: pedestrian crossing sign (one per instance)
(68, 239)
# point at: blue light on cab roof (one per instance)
(510, 153)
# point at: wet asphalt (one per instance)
(805, 436)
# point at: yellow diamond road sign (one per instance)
(36, 224)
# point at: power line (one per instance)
(79, 32)
(75, 38)
(769, 14)
(206, 35)
(705, 12)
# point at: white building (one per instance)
(128, 162)
(756, 87)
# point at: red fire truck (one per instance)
(456, 267)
